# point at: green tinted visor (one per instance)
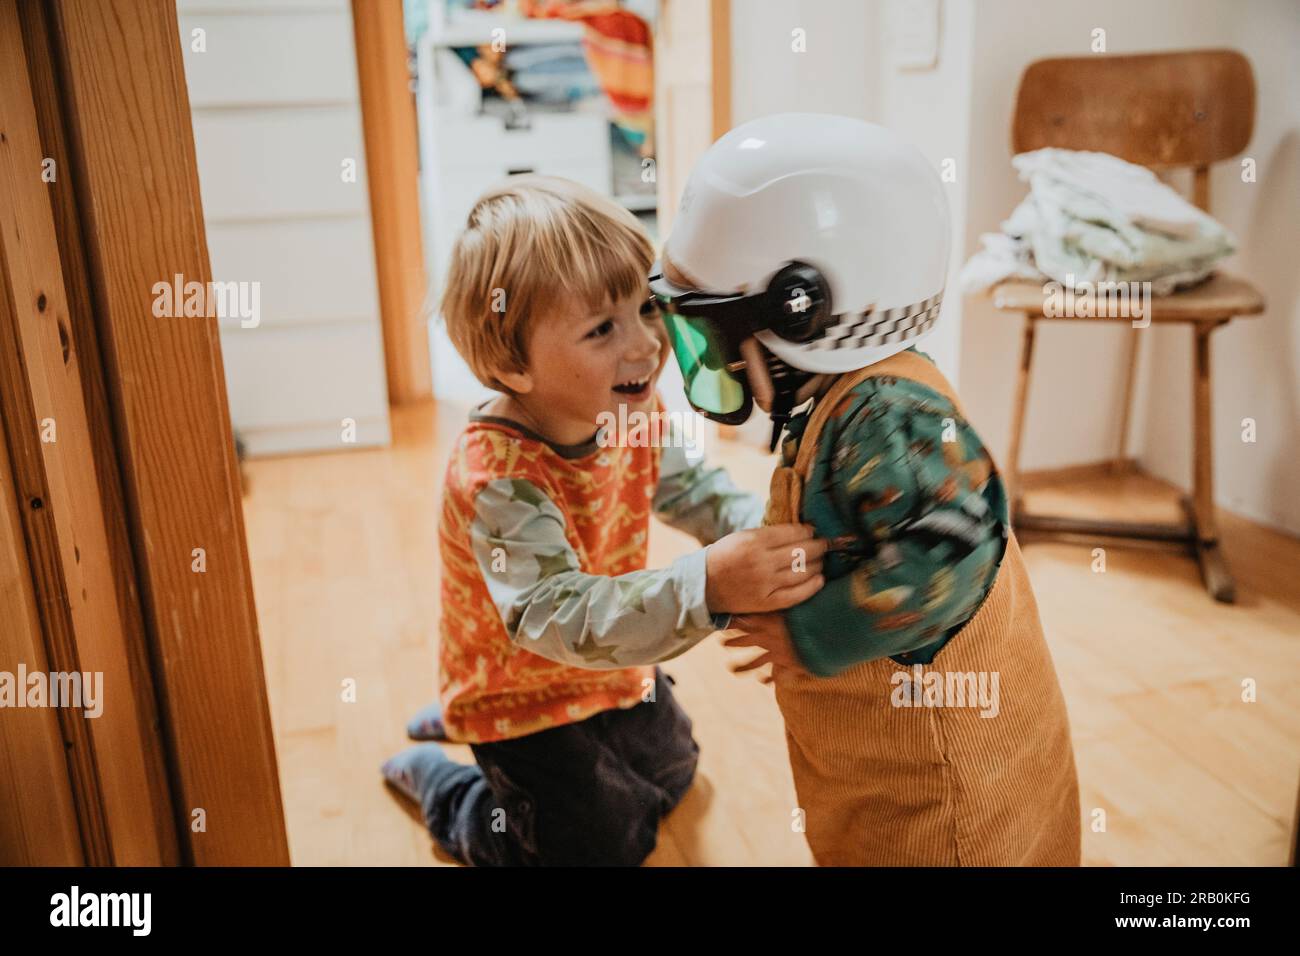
(707, 347)
(710, 388)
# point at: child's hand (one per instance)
(768, 632)
(763, 569)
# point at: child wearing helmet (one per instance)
(924, 719)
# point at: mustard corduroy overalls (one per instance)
(885, 785)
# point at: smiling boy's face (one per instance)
(581, 364)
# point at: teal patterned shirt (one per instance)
(907, 484)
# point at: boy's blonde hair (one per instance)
(530, 246)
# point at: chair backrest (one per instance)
(1161, 110)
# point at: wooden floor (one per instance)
(345, 569)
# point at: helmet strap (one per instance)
(781, 407)
(786, 382)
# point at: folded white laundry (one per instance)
(1130, 190)
(1092, 217)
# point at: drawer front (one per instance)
(269, 59)
(594, 175)
(484, 139)
(283, 378)
(278, 162)
(310, 271)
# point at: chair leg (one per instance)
(1214, 570)
(1011, 473)
(1121, 463)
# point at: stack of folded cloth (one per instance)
(1092, 217)
(551, 72)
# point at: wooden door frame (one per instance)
(393, 178)
(720, 45)
(131, 521)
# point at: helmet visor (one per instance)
(702, 354)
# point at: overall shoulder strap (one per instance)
(905, 364)
(821, 412)
(785, 502)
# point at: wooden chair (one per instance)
(1163, 111)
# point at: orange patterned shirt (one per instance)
(544, 546)
(492, 688)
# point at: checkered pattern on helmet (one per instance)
(899, 324)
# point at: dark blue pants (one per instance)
(590, 793)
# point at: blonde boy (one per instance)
(551, 624)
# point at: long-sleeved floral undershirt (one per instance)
(549, 614)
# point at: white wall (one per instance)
(835, 74)
(931, 107)
(1078, 371)
(961, 110)
(845, 68)
(1256, 361)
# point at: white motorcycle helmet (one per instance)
(825, 237)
